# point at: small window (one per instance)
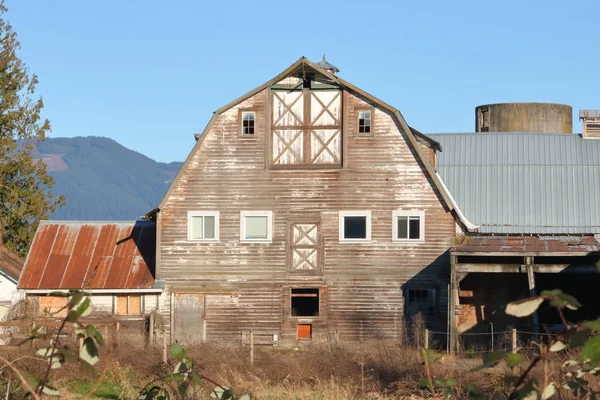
(203, 225)
(256, 226)
(408, 226)
(364, 122)
(128, 305)
(248, 118)
(355, 226)
(305, 302)
(420, 301)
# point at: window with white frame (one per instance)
(422, 301)
(408, 226)
(355, 226)
(248, 119)
(203, 225)
(256, 226)
(364, 122)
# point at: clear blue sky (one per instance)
(149, 74)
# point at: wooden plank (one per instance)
(188, 318)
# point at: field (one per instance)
(373, 370)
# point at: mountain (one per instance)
(103, 180)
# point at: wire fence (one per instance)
(506, 340)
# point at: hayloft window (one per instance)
(256, 226)
(305, 302)
(248, 120)
(355, 226)
(408, 226)
(203, 225)
(364, 122)
(420, 301)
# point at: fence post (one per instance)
(32, 328)
(106, 332)
(251, 348)
(514, 341)
(164, 346)
(426, 338)
(151, 328)
(492, 329)
(118, 332)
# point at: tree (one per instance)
(25, 196)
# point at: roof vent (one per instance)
(327, 66)
(591, 123)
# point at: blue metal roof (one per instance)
(523, 183)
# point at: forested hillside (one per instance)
(103, 180)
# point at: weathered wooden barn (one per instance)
(112, 261)
(533, 202)
(307, 208)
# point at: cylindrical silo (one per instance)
(524, 117)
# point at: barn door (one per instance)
(307, 127)
(305, 248)
(188, 317)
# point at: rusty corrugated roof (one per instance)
(10, 263)
(528, 245)
(91, 255)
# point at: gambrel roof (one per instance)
(524, 183)
(415, 137)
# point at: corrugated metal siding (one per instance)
(91, 255)
(524, 183)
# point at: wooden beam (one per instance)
(532, 290)
(454, 304)
(522, 268)
(522, 254)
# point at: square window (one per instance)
(305, 302)
(203, 225)
(421, 301)
(408, 225)
(364, 122)
(248, 120)
(355, 226)
(256, 226)
(128, 305)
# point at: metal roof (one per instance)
(10, 264)
(91, 255)
(523, 183)
(531, 245)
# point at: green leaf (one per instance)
(489, 360)
(578, 339)
(451, 382)
(93, 332)
(523, 308)
(429, 355)
(558, 299)
(558, 346)
(549, 391)
(75, 299)
(85, 308)
(514, 359)
(592, 325)
(58, 294)
(89, 352)
(72, 316)
(591, 351)
(177, 351)
(196, 379)
(45, 352)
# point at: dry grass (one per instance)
(374, 370)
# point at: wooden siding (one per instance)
(363, 281)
